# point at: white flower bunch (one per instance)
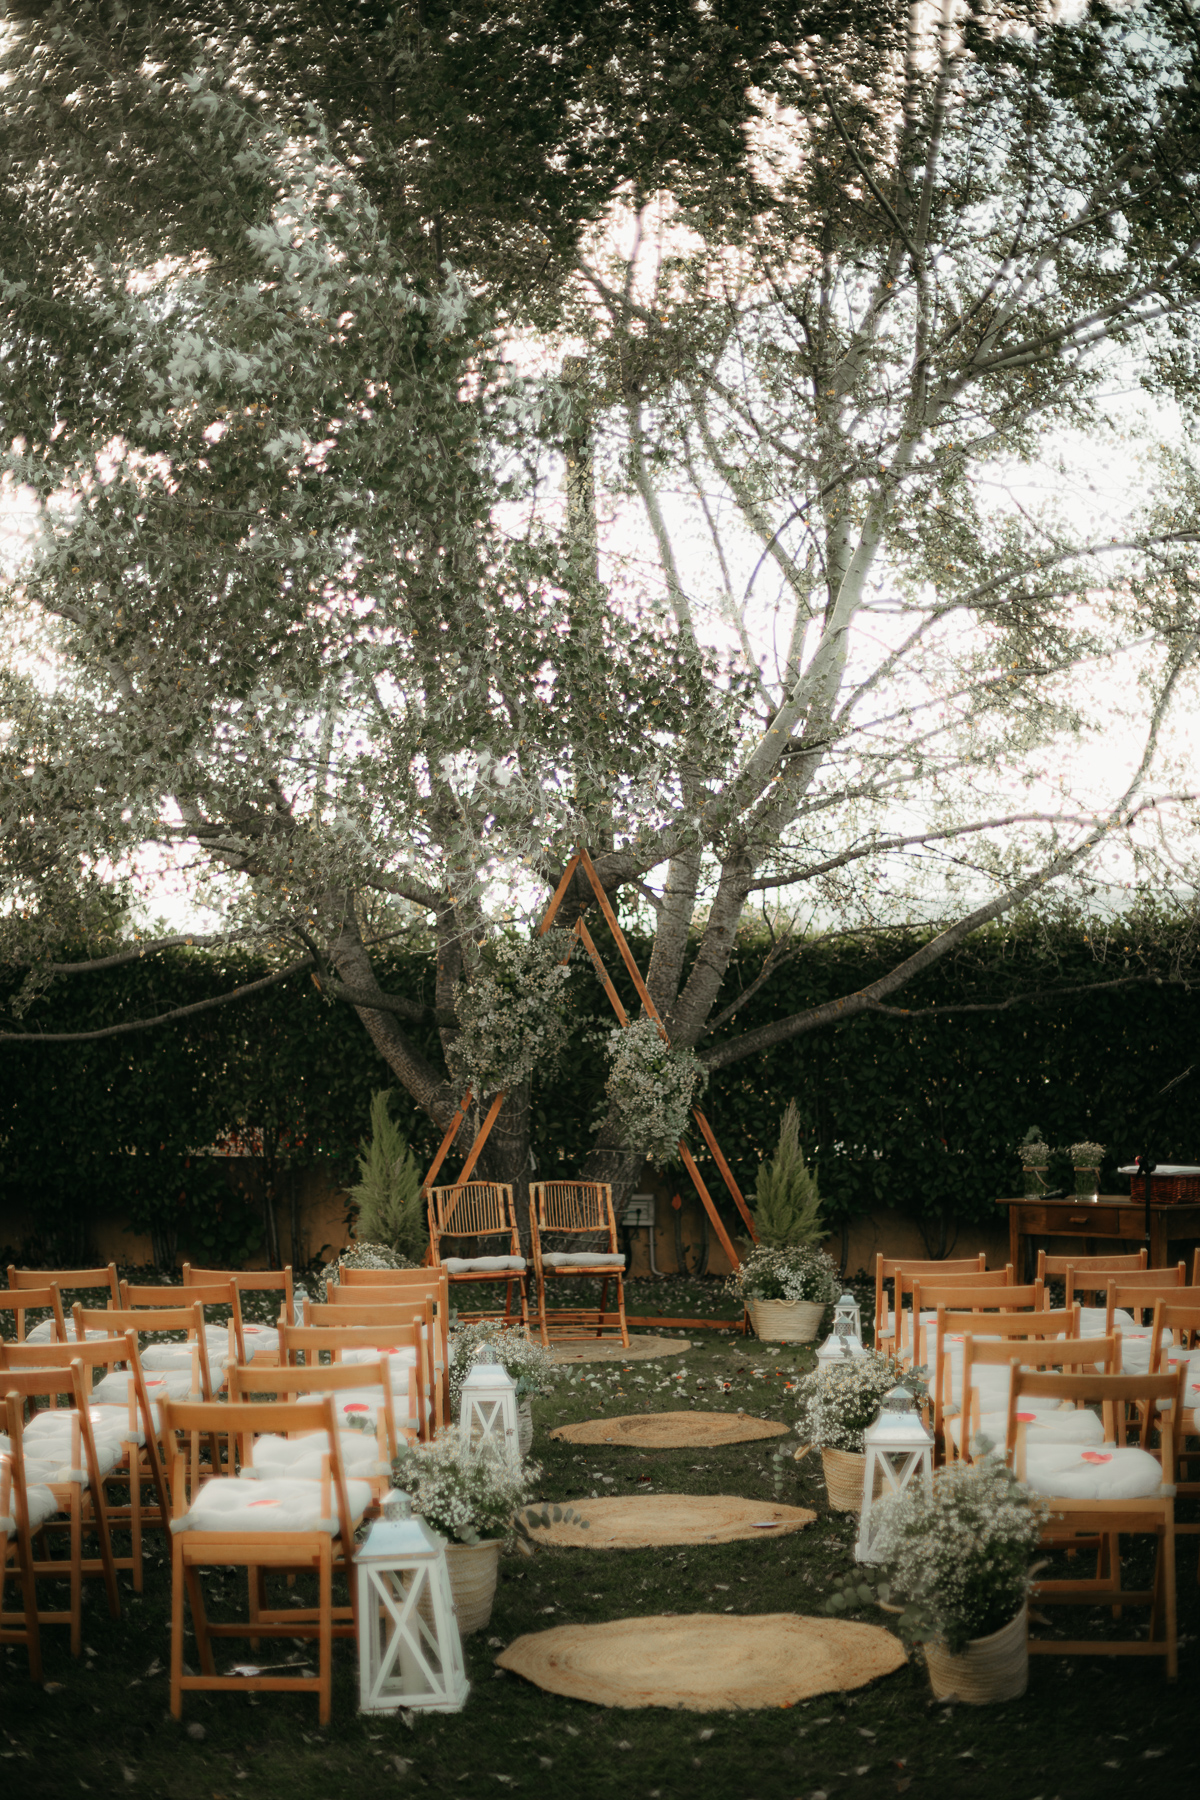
(800, 1273)
(1034, 1153)
(528, 1363)
(960, 1558)
(466, 1498)
(1087, 1156)
(653, 1086)
(838, 1403)
(511, 1015)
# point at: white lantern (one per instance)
(409, 1649)
(845, 1340)
(897, 1446)
(487, 1419)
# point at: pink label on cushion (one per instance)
(1027, 1418)
(355, 1406)
(1096, 1456)
(264, 1503)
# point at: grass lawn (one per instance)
(1091, 1727)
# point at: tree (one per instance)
(318, 622)
(388, 1191)
(787, 1209)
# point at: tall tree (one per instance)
(831, 278)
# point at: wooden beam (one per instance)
(689, 1163)
(481, 1138)
(709, 1136)
(451, 1133)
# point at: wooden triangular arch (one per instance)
(581, 860)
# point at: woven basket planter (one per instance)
(786, 1321)
(989, 1669)
(524, 1427)
(844, 1470)
(474, 1569)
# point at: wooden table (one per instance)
(1108, 1218)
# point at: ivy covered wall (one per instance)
(916, 1113)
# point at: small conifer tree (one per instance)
(787, 1210)
(388, 1192)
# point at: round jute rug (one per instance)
(704, 1661)
(671, 1430)
(641, 1520)
(641, 1349)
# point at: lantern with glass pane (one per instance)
(409, 1649)
(487, 1419)
(898, 1449)
(845, 1340)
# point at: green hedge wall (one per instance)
(915, 1113)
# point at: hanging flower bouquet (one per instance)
(653, 1086)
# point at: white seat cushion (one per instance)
(235, 1504)
(300, 1458)
(44, 1334)
(1135, 1350)
(354, 1407)
(1093, 1321)
(48, 1457)
(400, 1361)
(1108, 1473)
(1057, 1425)
(557, 1259)
(162, 1384)
(261, 1340)
(470, 1265)
(40, 1505)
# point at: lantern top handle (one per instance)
(397, 1505)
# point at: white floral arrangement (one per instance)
(529, 1363)
(839, 1402)
(800, 1273)
(1034, 1153)
(959, 1561)
(1087, 1156)
(653, 1085)
(364, 1256)
(511, 1014)
(463, 1497)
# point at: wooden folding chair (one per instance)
(985, 1413)
(888, 1267)
(75, 1280)
(480, 1209)
(19, 1301)
(955, 1333)
(226, 1339)
(186, 1376)
(263, 1340)
(1075, 1270)
(925, 1293)
(1076, 1482)
(65, 1459)
(1178, 1318)
(427, 1292)
(129, 1424)
(577, 1209)
(24, 1509)
(400, 1332)
(225, 1525)
(364, 1404)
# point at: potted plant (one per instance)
(837, 1404)
(1085, 1160)
(472, 1502)
(528, 1363)
(956, 1569)
(1035, 1154)
(786, 1281)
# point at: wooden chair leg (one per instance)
(325, 1633)
(199, 1621)
(177, 1630)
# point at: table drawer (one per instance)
(1074, 1221)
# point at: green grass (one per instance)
(1083, 1730)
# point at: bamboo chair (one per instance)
(393, 1331)
(22, 1300)
(72, 1467)
(1075, 1483)
(480, 1209)
(222, 1527)
(887, 1268)
(227, 1340)
(262, 1339)
(1179, 1318)
(427, 1298)
(575, 1209)
(950, 1390)
(1074, 1270)
(24, 1509)
(73, 1279)
(924, 1294)
(190, 1380)
(130, 1425)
